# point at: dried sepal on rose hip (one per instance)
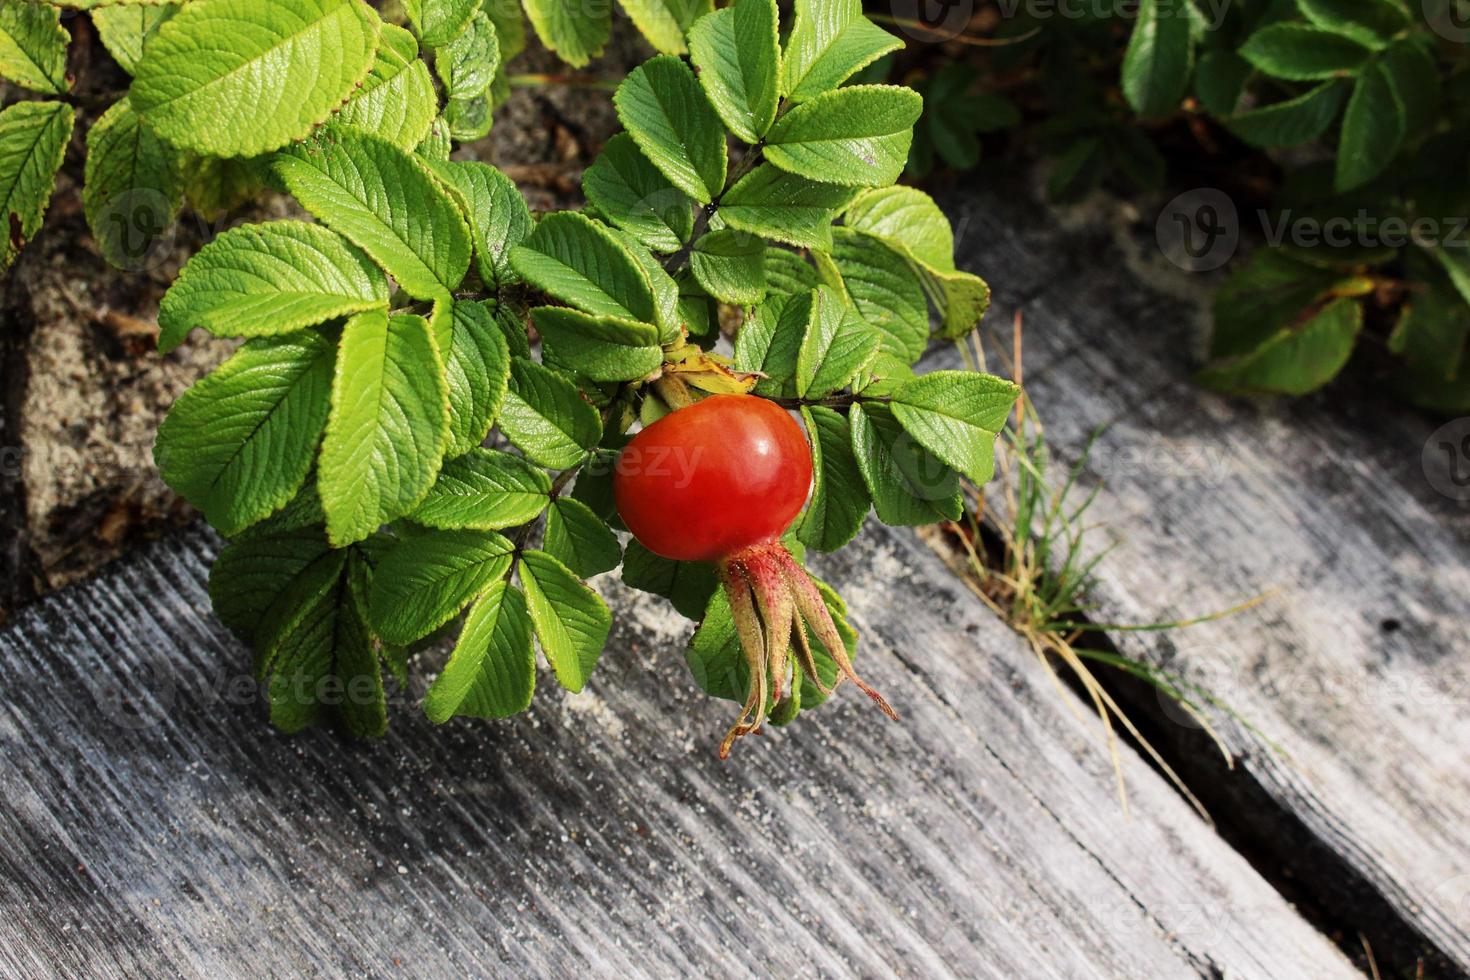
(720, 481)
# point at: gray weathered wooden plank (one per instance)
(1358, 663)
(153, 823)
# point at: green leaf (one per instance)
(477, 371)
(485, 490)
(389, 424)
(956, 415)
(909, 486)
(666, 112)
(909, 219)
(576, 32)
(33, 47)
(435, 147)
(547, 418)
(397, 100)
(133, 187)
(1414, 78)
(580, 262)
(602, 348)
(737, 54)
(769, 341)
(572, 621)
(857, 136)
(492, 672)
(730, 265)
(1159, 59)
(632, 194)
(33, 138)
(200, 84)
(785, 207)
(665, 22)
(1301, 52)
(830, 43)
(688, 585)
(1289, 123)
(386, 202)
(1372, 22)
(839, 503)
(250, 574)
(838, 344)
(1296, 360)
(883, 288)
(439, 22)
(787, 272)
(1219, 81)
(467, 63)
(1268, 293)
(125, 28)
(1373, 130)
(499, 217)
(239, 444)
(580, 540)
(428, 579)
(273, 278)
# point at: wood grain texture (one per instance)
(1357, 664)
(154, 824)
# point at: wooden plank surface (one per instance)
(1358, 664)
(154, 824)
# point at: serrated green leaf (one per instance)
(908, 218)
(499, 217)
(785, 207)
(33, 46)
(477, 371)
(1414, 76)
(601, 348)
(581, 263)
(33, 138)
(273, 278)
(632, 194)
(199, 85)
(389, 424)
(788, 272)
(665, 22)
(833, 351)
(730, 265)
(547, 418)
(571, 620)
(428, 579)
(857, 136)
(577, 33)
(397, 100)
(239, 444)
(1160, 57)
(249, 575)
(439, 22)
(133, 187)
(125, 28)
(485, 490)
(581, 540)
(435, 147)
(908, 485)
(214, 185)
(688, 585)
(882, 286)
(961, 298)
(1295, 360)
(839, 503)
(830, 42)
(387, 203)
(665, 289)
(737, 53)
(1301, 52)
(1293, 121)
(467, 63)
(956, 415)
(770, 339)
(663, 108)
(1373, 130)
(492, 672)
(1219, 81)
(1371, 22)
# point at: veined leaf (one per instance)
(857, 136)
(498, 216)
(830, 43)
(688, 585)
(1301, 52)
(603, 348)
(1372, 22)
(839, 503)
(784, 207)
(1373, 129)
(909, 486)
(397, 100)
(428, 579)
(467, 63)
(635, 196)
(1296, 359)
(33, 47)
(737, 52)
(239, 444)
(273, 278)
(666, 112)
(730, 265)
(125, 28)
(1292, 122)
(665, 22)
(571, 620)
(33, 138)
(477, 371)
(492, 672)
(833, 351)
(787, 272)
(547, 418)
(882, 286)
(908, 218)
(769, 340)
(577, 33)
(252, 572)
(956, 415)
(439, 22)
(385, 202)
(389, 424)
(200, 84)
(580, 540)
(579, 262)
(1160, 57)
(486, 490)
(133, 188)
